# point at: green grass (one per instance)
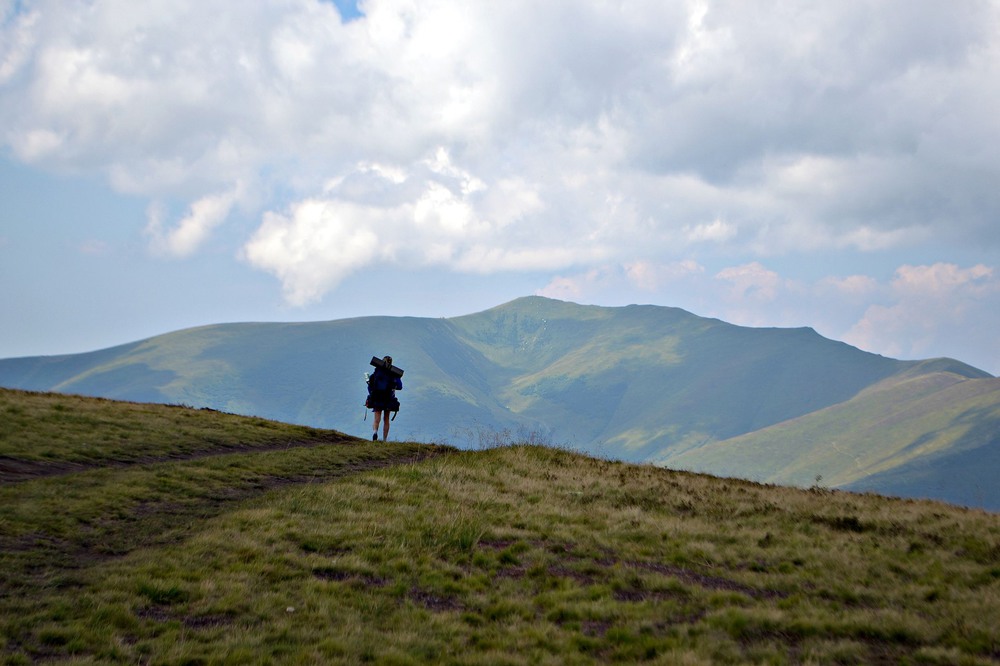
(41, 427)
(895, 422)
(407, 553)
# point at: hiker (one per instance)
(382, 387)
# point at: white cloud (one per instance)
(751, 281)
(36, 144)
(194, 228)
(581, 286)
(563, 288)
(562, 136)
(650, 276)
(716, 231)
(15, 49)
(853, 286)
(434, 214)
(941, 281)
(317, 244)
(926, 306)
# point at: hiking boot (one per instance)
(374, 436)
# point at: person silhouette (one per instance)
(382, 387)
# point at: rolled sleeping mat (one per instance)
(393, 370)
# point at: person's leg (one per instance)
(385, 431)
(378, 417)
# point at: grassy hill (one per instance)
(637, 383)
(146, 533)
(897, 431)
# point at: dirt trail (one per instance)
(14, 470)
(38, 556)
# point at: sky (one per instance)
(173, 163)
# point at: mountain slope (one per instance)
(640, 379)
(308, 373)
(642, 383)
(895, 436)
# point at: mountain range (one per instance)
(639, 383)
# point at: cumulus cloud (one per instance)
(433, 213)
(194, 228)
(855, 287)
(926, 306)
(562, 136)
(750, 281)
(316, 245)
(716, 231)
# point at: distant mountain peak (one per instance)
(640, 382)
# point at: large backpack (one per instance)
(381, 382)
(380, 392)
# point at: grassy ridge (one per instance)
(352, 552)
(888, 427)
(45, 429)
